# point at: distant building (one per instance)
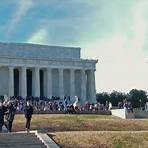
(41, 70)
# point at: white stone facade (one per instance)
(41, 70)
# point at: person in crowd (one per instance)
(109, 106)
(76, 104)
(120, 105)
(130, 108)
(65, 103)
(95, 106)
(28, 110)
(86, 105)
(2, 112)
(106, 105)
(10, 113)
(125, 104)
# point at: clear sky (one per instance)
(113, 31)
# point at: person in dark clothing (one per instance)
(10, 113)
(28, 110)
(2, 112)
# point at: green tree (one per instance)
(138, 98)
(116, 97)
(102, 97)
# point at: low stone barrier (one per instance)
(99, 112)
(122, 113)
(141, 114)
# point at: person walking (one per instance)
(28, 111)
(10, 113)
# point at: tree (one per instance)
(116, 97)
(102, 97)
(138, 98)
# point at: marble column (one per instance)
(61, 84)
(72, 84)
(49, 82)
(11, 81)
(83, 86)
(92, 86)
(23, 82)
(37, 82)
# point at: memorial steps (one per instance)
(20, 140)
(25, 140)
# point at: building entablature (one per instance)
(44, 63)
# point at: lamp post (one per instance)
(140, 103)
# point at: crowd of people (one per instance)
(41, 104)
(125, 104)
(9, 106)
(7, 113)
(56, 104)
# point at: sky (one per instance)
(113, 31)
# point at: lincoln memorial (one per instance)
(42, 70)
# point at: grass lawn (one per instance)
(62, 122)
(89, 130)
(101, 139)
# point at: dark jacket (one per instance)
(2, 112)
(28, 111)
(10, 113)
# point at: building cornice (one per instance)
(48, 59)
(54, 63)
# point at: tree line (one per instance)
(138, 98)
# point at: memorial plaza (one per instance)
(42, 70)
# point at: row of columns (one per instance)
(23, 89)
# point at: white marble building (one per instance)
(41, 70)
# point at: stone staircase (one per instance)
(20, 140)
